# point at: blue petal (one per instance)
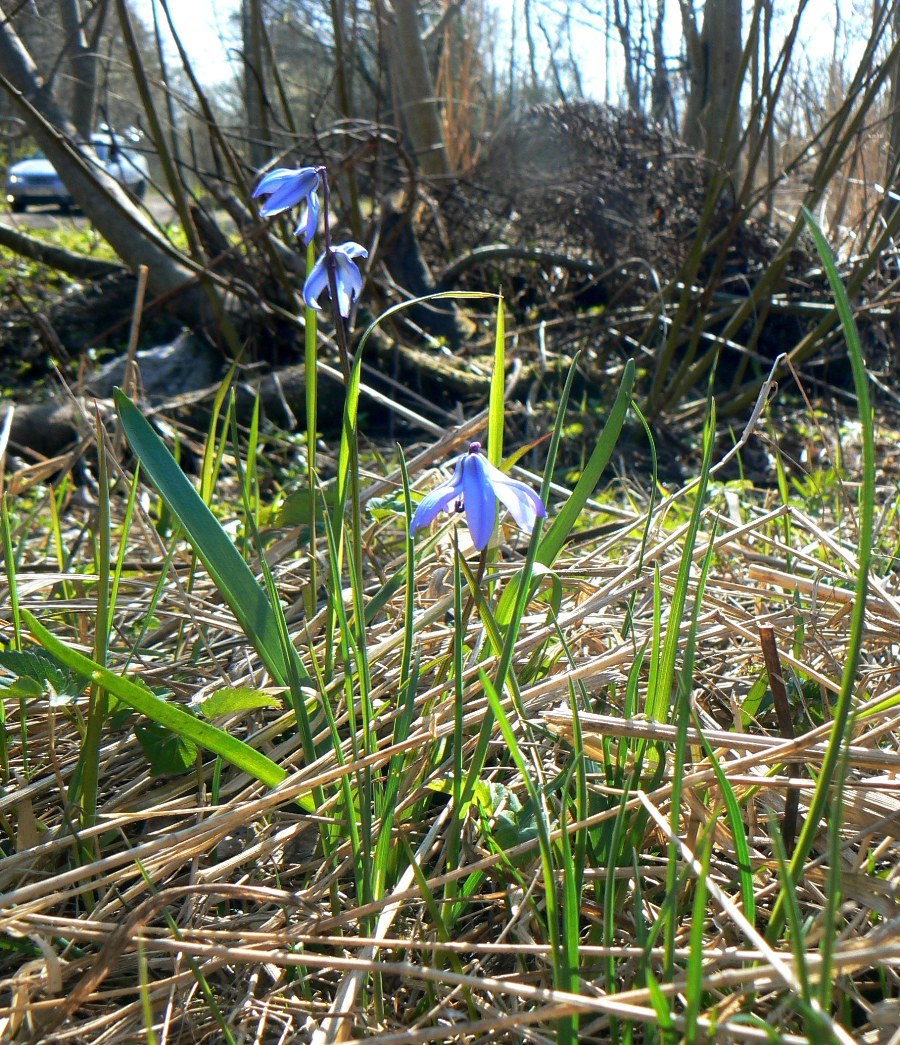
(524, 505)
(433, 504)
(315, 283)
(479, 499)
(352, 250)
(271, 181)
(307, 227)
(282, 198)
(286, 188)
(349, 283)
(348, 278)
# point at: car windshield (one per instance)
(37, 155)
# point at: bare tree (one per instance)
(714, 57)
(661, 106)
(82, 60)
(893, 164)
(254, 83)
(622, 11)
(413, 85)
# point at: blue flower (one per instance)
(286, 188)
(476, 486)
(347, 276)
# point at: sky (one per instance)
(201, 25)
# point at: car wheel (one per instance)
(138, 191)
(18, 206)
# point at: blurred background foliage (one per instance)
(629, 173)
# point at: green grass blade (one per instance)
(140, 699)
(842, 711)
(297, 680)
(512, 603)
(555, 537)
(738, 831)
(230, 573)
(498, 384)
(86, 783)
(694, 990)
(659, 700)
(565, 977)
(684, 687)
(310, 355)
(659, 1001)
(9, 562)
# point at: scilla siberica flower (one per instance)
(347, 277)
(286, 188)
(476, 486)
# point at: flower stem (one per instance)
(340, 330)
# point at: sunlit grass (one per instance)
(539, 787)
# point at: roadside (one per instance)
(49, 216)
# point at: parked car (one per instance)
(35, 180)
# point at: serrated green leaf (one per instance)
(38, 674)
(168, 753)
(390, 506)
(24, 686)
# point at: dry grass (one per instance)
(195, 915)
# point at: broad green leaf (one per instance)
(229, 571)
(171, 716)
(514, 825)
(756, 695)
(389, 506)
(231, 699)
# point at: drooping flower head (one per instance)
(347, 277)
(286, 188)
(476, 487)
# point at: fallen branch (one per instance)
(78, 265)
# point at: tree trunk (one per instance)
(893, 171)
(414, 87)
(661, 108)
(82, 66)
(712, 119)
(631, 70)
(254, 82)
